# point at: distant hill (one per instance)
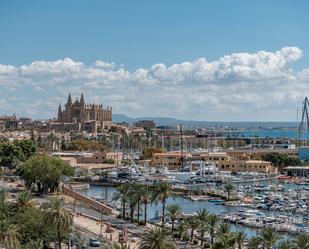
(191, 123)
(118, 118)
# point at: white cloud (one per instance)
(105, 65)
(237, 86)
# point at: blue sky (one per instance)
(140, 34)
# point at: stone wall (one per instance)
(88, 201)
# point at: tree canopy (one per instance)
(86, 145)
(14, 153)
(281, 160)
(44, 172)
(27, 227)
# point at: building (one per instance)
(300, 171)
(146, 124)
(91, 117)
(89, 158)
(2, 125)
(172, 160)
(9, 122)
(238, 162)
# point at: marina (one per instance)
(283, 207)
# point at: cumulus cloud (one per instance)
(105, 65)
(236, 86)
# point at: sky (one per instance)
(200, 60)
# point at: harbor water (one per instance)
(188, 206)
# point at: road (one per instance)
(135, 230)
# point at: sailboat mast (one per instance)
(181, 147)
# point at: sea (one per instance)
(268, 133)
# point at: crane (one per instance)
(304, 124)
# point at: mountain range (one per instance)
(117, 118)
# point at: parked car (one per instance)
(94, 242)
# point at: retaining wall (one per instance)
(88, 201)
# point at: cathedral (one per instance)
(89, 116)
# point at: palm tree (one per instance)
(122, 195)
(56, 214)
(212, 224)
(132, 199)
(301, 241)
(228, 189)
(181, 229)
(240, 239)
(146, 199)
(23, 200)
(223, 229)
(4, 205)
(202, 217)
(217, 245)
(161, 193)
(157, 238)
(268, 237)
(137, 193)
(116, 246)
(287, 244)
(254, 243)
(8, 235)
(173, 212)
(34, 244)
(228, 241)
(192, 224)
(79, 241)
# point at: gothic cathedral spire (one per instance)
(59, 113)
(82, 101)
(69, 99)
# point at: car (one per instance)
(94, 242)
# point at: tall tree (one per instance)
(202, 217)
(146, 194)
(56, 214)
(27, 147)
(10, 155)
(45, 172)
(122, 195)
(228, 189)
(268, 237)
(212, 224)
(240, 239)
(192, 223)
(136, 193)
(161, 193)
(182, 228)
(173, 212)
